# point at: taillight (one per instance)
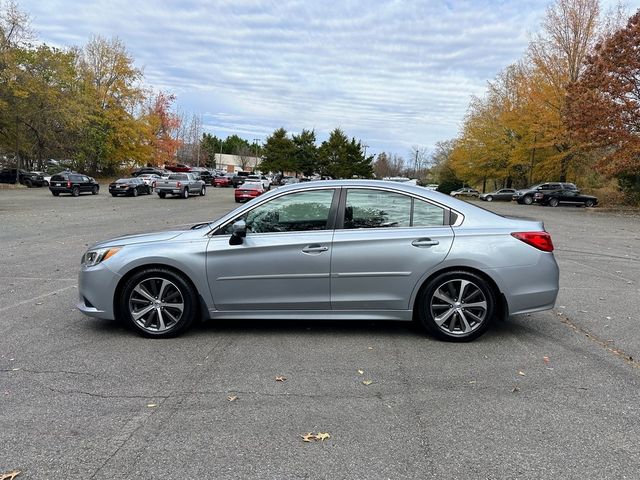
(540, 240)
(69, 184)
(178, 184)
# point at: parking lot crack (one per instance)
(106, 395)
(608, 345)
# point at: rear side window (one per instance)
(75, 178)
(366, 208)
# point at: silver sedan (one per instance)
(348, 249)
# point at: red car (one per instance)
(247, 191)
(222, 181)
(178, 167)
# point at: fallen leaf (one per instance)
(521, 373)
(367, 382)
(280, 378)
(515, 389)
(152, 405)
(322, 436)
(232, 398)
(309, 437)
(10, 475)
(369, 348)
(472, 381)
(546, 359)
(361, 372)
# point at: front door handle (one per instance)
(315, 248)
(425, 242)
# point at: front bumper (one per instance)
(96, 289)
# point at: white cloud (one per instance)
(394, 74)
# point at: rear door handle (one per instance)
(425, 242)
(315, 248)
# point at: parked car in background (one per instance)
(235, 179)
(248, 191)
(73, 183)
(130, 187)
(289, 180)
(17, 175)
(222, 181)
(432, 186)
(150, 171)
(266, 183)
(203, 174)
(178, 167)
(46, 177)
(150, 179)
(180, 184)
(465, 192)
(568, 197)
(525, 196)
(504, 194)
(336, 250)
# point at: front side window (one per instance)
(295, 212)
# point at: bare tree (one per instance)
(245, 157)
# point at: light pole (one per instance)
(256, 140)
(365, 150)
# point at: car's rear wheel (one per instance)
(114, 194)
(185, 193)
(553, 202)
(157, 302)
(527, 200)
(203, 192)
(489, 198)
(162, 194)
(457, 306)
(55, 194)
(75, 191)
(589, 203)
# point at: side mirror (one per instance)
(238, 232)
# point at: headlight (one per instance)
(94, 257)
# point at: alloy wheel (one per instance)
(156, 304)
(458, 307)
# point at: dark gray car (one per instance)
(341, 250)
(504, 194)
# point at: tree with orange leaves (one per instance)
(164, 124)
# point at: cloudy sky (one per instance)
(392, 73)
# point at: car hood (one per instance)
(140, 238)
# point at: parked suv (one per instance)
(73, 183)
(16, 175)
(526, 195)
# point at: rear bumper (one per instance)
(529, 289)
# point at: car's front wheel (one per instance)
(457, 306)
(157, 302)
(527, 200)
(489, 198)
(589, 203)
(94, 190)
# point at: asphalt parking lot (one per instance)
(547, 395)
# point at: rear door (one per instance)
(387, 242)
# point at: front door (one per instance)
(283, 262)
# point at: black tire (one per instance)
(45, 184)
(489, 198)
(149, 190)
(162, 194)
(55, 194)
(28, 183)
(179, 290)
(589, 203)
(94, 190)
(114, 194)
(75, 191)
(134, 192)
(453, 327)
(185, 193)
(527, 200)
(553, 202)
(203, 192)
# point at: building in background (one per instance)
(236, 163)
